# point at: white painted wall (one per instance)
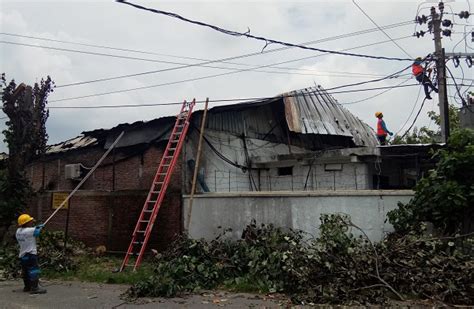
(212, 212)
(223, 177)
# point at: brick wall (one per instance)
(100, 215)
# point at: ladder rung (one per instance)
(162, 178)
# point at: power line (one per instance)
(182, 65)
(209, 76)
(223, 100)
(259, 38)
(411, 112)
(327, 39)
(383, 31)
(457, 87)
(414, 120)
(376, 95)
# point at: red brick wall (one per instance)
(98, 215)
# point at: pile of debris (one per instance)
(336, 268)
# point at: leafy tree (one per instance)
(446, 196)
(26, 138)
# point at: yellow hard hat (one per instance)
(378, 114)
(24, 218)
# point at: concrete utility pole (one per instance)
(441, 68)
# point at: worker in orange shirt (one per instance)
(420, 75)
(382, 130)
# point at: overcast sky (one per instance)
(112, 24)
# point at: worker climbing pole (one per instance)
(423, 75)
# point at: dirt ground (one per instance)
(67, 294)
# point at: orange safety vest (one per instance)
(417, 69)
(380, 130)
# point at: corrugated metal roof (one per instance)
(73, 143)
(313, 111)
(306, 111)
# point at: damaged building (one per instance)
(302, 143)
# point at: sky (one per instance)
(165, 43)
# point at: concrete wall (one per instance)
(213, 212)
(220, 176)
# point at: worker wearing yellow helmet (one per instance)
(26, 235)
(382, 130)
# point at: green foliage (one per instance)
(14, 192)
(25, 107)
(335, 268)
(26, 137)
(445, 197)
(51, 252)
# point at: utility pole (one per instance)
(441, 68)
(435, 22)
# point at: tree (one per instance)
(26, 138)
(445, 197)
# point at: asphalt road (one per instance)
(71, 295)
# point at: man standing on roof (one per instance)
(382, 130)
(26, 236)
(421, 77)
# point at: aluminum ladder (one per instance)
(144, 226)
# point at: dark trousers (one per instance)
(382, 139)
(426, 82)
(30, 270)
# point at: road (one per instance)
(72, 294)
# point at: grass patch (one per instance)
(244, 285)
(100, 269)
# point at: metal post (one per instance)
(441, 68)
(229, 180)
(215, 181)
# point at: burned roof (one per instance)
(309, 111)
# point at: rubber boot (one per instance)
(35, 289)
(27, 287)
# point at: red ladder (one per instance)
(155, 197)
